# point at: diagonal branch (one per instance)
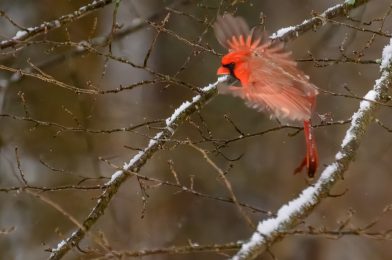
(290, 32)
(31, 32)
(178, 117)
(134, 165)
(135, 25)
(272, 230)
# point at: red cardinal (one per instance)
(269, 77)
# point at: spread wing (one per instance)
(234, 34)
(276, 85)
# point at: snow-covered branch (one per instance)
(178, 117)
(28, 33)
(290, 32)
(134, 165)
(289, 215)
(135, 25)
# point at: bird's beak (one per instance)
(223, 71)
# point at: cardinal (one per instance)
(270, 80)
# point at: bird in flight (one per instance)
(269, 77)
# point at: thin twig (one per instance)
(28, 33)
(227, 183)
(178, 117)
(291, 214)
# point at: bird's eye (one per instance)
(229, 66)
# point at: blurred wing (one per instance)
(277, 86)
(233, 33)
(284, 104)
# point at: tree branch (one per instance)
(45, 27)
(134, 165)
(178, 117)
(135, 25)
(290, 215)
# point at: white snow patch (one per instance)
(364, 105)
(115, 176)
(214, 85)
(59, 245)
(309, 196)
(331, 9)
(267, 227)
(177, 112)
(327, 173)
(152, 142)
(386, 56)
(349, 134)
(282, 32)
(82, 45)
(339, 156)
(155, 139)
(136, 158)
(350, 2)
(195, 99)
(286, 212)
(372, 95)
(82, 9)
(246, 247)
(19, 35)
(57, 23)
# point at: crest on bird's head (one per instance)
(234, 34)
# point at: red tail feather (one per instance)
(270, 79)
(311, 157)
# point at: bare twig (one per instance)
(177, 118)
(28, 33)
(134, 165)
(291, 32)
(226, 182)
(193, 248)
(291, 214)
(135, 25)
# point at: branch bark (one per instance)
(45, 27)
(178, 117)
(290, 215)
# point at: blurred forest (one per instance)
(82, 96)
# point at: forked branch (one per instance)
(177, 118)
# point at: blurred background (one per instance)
(61, 138)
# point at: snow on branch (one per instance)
(134, 165)
(291, 214)
(28, 33)
(290, 32)
(178, 117)
(135, 25)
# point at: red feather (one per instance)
(270, 79)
